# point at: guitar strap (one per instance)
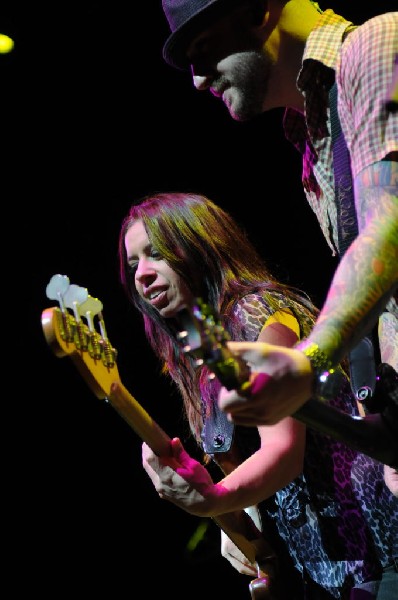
(362, 361)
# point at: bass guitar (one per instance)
(376, 435)
(75, 327)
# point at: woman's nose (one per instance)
(144, 271)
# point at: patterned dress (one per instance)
(336, 525)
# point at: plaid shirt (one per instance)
(363, 67)
(363, 75)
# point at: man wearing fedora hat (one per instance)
(258, 55)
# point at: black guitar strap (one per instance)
(362, 360)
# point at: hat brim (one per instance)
(175, 47)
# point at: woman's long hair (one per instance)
(205, 246)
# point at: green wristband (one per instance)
(317, 357)
(327, 379)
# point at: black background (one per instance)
(91, 119)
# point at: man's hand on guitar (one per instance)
(281, 382)
(181, 479)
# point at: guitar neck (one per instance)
(374, 434)
(138, 419)
(238, 526)
(370, 435)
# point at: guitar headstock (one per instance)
(76, 328)
(204, 337)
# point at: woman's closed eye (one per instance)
(151, 255)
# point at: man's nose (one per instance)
(201, 82)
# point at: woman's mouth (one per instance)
(157, 299)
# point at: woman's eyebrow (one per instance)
(147, 249)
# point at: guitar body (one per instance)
(260, 588)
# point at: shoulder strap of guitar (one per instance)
(362, 361)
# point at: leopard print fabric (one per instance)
(337, 523)
(253, 312)
(338, 518)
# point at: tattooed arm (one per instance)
(364, 282)
(367, 275)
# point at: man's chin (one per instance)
(237, 112)
(238, 116)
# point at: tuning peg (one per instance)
(75, 296)
(89, 309)
(57, 287)
(90, 305)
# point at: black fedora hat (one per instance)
(186, 19)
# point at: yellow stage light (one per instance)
(6, 44)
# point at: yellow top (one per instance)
(285, 317)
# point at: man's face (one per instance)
(229, 60)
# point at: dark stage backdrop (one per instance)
(91, 120)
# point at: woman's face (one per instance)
(154, 280)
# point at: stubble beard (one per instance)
(249, 85)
